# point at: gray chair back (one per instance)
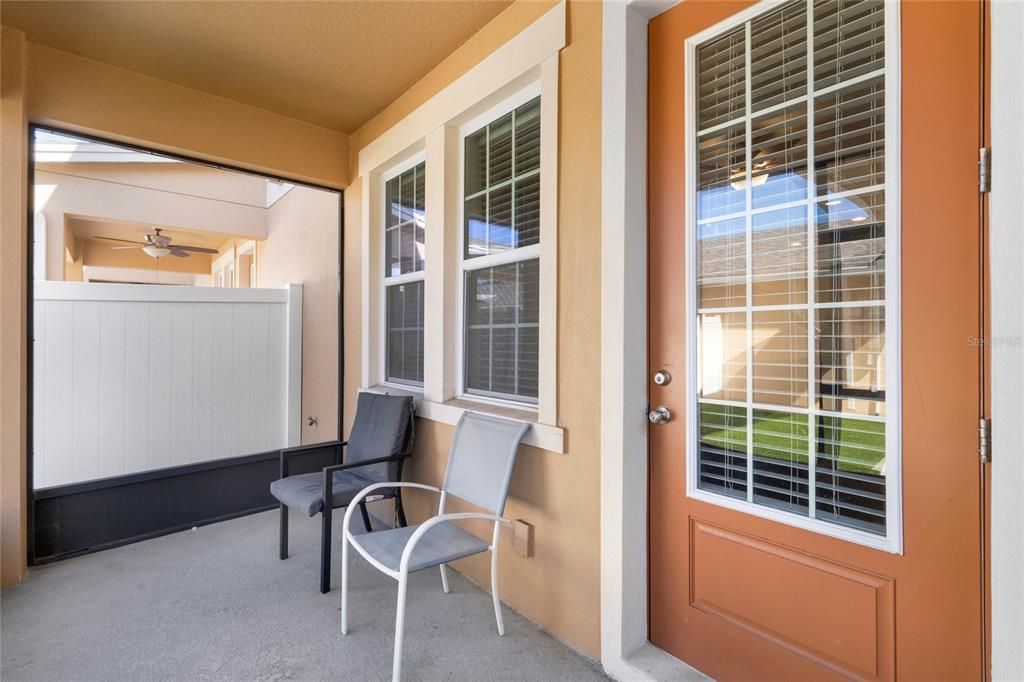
(481, 459)
(382, 428)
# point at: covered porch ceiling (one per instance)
(319, 62)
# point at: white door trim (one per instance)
(625, 652)
(1006, 248)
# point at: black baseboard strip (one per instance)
(89, 517)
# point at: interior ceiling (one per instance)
(335, 64)
(89, 228)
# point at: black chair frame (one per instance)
(328, 494)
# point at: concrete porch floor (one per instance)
(216, 604)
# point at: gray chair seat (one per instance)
(443, 543)
(305, 492)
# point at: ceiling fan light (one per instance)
(156, 251)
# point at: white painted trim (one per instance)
(893, 540)
(293, 423)
(501, 258)
(442, 256)
(372, 275)
(1006, 204)
(544, 436)
(461, 100)
(547, 371)
(84, 291)
(625, 653)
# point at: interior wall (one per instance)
(558, 587)
(302, 248)
(50, 87)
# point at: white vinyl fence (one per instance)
(130, 378)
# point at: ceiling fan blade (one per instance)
(126, 241)
(194, 249)
(179, 252)
(120, 248)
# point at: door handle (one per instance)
(661, 415)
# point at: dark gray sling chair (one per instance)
(381, 438)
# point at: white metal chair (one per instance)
(479, 470)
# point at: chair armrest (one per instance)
(403, 567)
(328, 472)
(365, 462)
(369, 489)
(285, 453)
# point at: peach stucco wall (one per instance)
(559, 587)
(302, 248)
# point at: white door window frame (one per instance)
(892, 541)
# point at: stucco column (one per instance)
(13, 348)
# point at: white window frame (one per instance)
(387, 280)
(528, 62)
(893, 539)
(516, 255)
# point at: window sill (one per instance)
(544, 436)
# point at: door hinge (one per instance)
(984, 169)
(985, 440)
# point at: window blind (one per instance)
(791, 263)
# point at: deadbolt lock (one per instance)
(662, 378)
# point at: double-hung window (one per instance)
(501, 256)
(478, 329)
(404, 245)
(793, 244)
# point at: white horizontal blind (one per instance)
(404, 263)
(500, 257)
(790, 262)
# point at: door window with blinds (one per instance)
(501, 256)
(404, 242)
(793, 240)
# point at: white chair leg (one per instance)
(494, 591)
(396, 666)
(444, 578)
(344, 583)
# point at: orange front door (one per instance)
(815, 491)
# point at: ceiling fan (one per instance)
(158, 245)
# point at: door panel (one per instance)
(744, 597)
